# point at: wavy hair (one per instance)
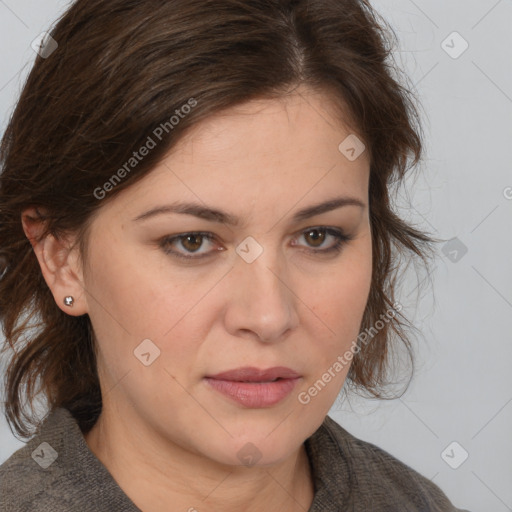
(123, 68)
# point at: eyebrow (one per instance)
(215, 215)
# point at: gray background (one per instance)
(461, 391)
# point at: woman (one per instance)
(196, 230)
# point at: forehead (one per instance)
(271, 126)
(258, 154)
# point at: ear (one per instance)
(59, 263)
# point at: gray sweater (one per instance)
(56, 472)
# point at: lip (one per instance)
(252, 387)
(251, 374)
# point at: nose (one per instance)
(262, 304)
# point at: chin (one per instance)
(257, 450)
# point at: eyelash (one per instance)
(340, 237)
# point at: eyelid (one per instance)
(168, 240)
(340, 236)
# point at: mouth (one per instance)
(251, 374)
(254, 388)
(259, 381)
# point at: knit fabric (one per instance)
(350, 475)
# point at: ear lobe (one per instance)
(58, 263)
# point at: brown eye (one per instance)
(189, 245)
(191, 242)
(322, 240)
(315, 237)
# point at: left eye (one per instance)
(315, 237)
(191, 243)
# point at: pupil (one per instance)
(319, 238)
(193, 246)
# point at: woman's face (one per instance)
(264, 286)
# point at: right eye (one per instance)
(186, 245)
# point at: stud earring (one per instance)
(69, 301)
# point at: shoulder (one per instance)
(374, 476)
(30, 479)
(57, 472)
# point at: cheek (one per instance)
(138, 299)
(341, 299)
(339, 304)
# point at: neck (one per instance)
(154, 472)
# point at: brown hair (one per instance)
(121, 70)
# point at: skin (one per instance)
(164, 434)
